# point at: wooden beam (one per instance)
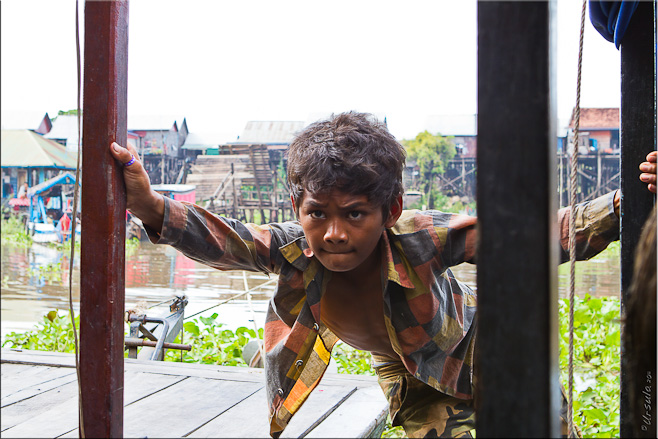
(637, 139)
(102, 264)
(517, 349)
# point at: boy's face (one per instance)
(342, 229)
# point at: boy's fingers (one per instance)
(652, 156)
(119, 152)
(124, 155)
(648, 167)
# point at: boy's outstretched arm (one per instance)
(145, 203)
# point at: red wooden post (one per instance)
(102, 261)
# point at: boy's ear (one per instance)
(294, 208)
(394, 213)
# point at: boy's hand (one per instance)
(145, 203)
(648, 169)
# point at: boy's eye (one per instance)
(355, 214)
(317, 214)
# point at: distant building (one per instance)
(158, 134)
(270, 132)
(205, 143)
(158, 141)
(29, 157)
(599, 129)
(274, 135)
(461, 127)
(63, 130)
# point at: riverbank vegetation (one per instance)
(14, 232)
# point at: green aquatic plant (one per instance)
(52, 272)
(13, 232)
(352, 361)
(54, 333)
(597, 336)
(212, 344)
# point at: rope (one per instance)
(75, 220)
(572, 221)
(233, 297)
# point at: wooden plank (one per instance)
(25, 379)
(12, 377)
(63, 376)
(182, 408)
(249, 418)
(29, 410)
(102, 252)
(18, 368)
(319, 405)
(62, 418)
(361, 415)
(244, 374)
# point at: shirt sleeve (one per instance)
(223, 243)
(597, 225)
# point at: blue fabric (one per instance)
(611, 18)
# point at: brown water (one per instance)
(158, 273)
(153, 274)
(597, 277)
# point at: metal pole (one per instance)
(102, 262)
(637, 139)
(517, 349)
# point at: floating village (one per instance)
(139, 340)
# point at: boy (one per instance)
(356, 267)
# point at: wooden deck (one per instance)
(162, 399)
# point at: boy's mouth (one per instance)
(334, 252)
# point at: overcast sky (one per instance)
(222, 63)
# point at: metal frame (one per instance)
(102, 255)
(517, 366)
(637, 139)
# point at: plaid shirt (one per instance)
(428, 313)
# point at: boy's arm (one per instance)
(597, 221)
(217, 242)
(597, 225)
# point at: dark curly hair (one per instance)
(352, 152)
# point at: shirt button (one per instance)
(316, 327)
(299, 363)
(280, 392)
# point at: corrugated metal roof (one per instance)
(24, 148)
(270, 131)
(152, 122)
(21, 119)
(596, 118)
(203, 141)
(65, 127)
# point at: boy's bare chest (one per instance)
(354, 311)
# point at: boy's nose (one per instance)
(335, 234)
